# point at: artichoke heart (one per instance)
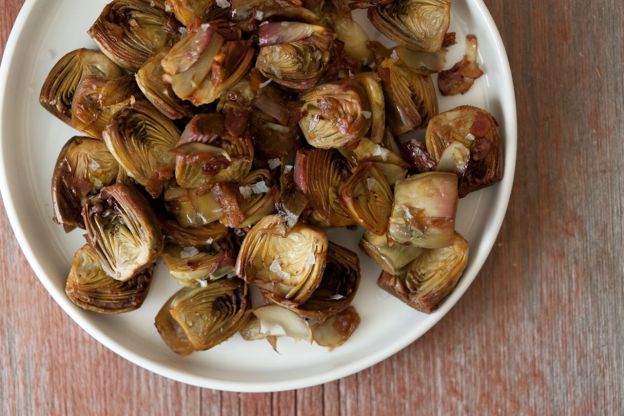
(336, 291)
(197, 319)
(207, 62)
(60, 86)
(335, 115)
(193, 236)
(208, 153)
(129, 32)
(89, 287)
(416, 24)
(393, 259)
(191, 264)
(337, 329)
(410, 97)
(141, 139)
(192, 207)
(453, 134)
(293, 54)
(123, 230)
(83, 167)
(150, 80)
(98, 99)
(431, 277)
(389, 163)
(259, 196)
(368, 197)
(423, 211)
(319, 174)
(191, 12)
(289, 264)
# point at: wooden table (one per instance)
(539, 332)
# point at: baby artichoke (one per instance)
(197, 319)
(417, 24)
(294, 54)
(337, 289)
(123, 230)
(129, 32)
(83, 167)
(423, 211)
(98, 99)
(206, 62)
(319, 174)
(208, 153)
(288, 264)
(368, 198)
(410, 97)
(141, 139)
(452, 135)
(90, 288)
(430, 278)
(150, 80)
(190, 265)
(59, 87)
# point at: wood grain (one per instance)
(538, 333)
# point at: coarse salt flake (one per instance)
(224, 4)
(260, 188)
(274, 163)
(188, 252)
(367, 114)
(245, 191)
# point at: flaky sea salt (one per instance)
(224, 4)
(274, 163)
(260, 188)
(188, 252)
(367, 114)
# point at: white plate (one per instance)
(31, 139)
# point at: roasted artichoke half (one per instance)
(368, 198)
(129, 32)
(417, 24)
(197, 319)
(294, 54)
(393, 259)
(83, 167)
(423, 211)
(337, 329)
(208, 153)
(192, 207)
(193, 236)
(258, 197)
(393, 167)
(452, 135)
(288, 264)
(98, 99)
(260, 10)
(430, 278)
(190, 265)
(410, 97)
(337, 289)
(191, 13)
(150, 80)
(319, 174)
(336, 115)
(123, 230)
(142, 139)
(90, 288)
(59, 87)
(206, 62)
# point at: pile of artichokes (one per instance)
(226, 137)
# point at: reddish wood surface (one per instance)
(540, 332)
